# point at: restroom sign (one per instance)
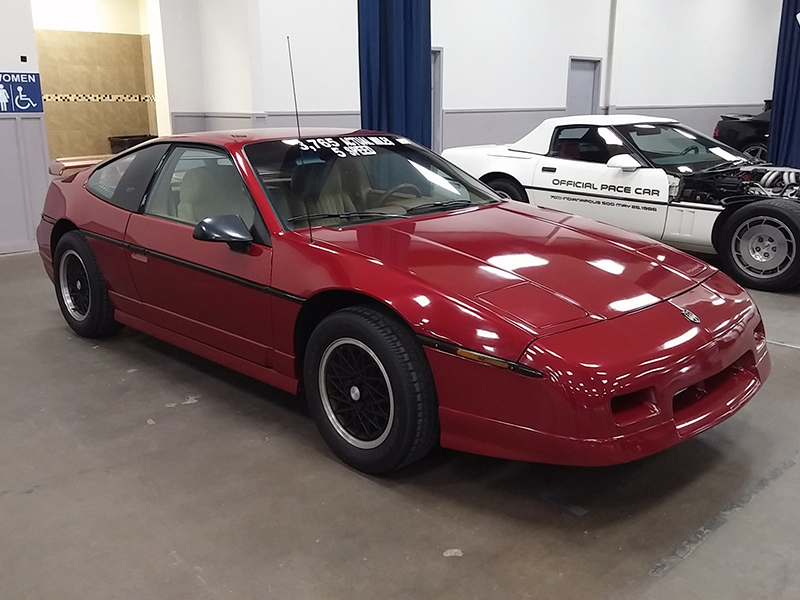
(20, 93)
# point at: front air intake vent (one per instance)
(634, 407)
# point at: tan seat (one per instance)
(317, 188)
(213, 190)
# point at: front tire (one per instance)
(81, 288)
(508, 188)
(370, 390)
(759, 245)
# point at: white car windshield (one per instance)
(347, 180)
(679, 148)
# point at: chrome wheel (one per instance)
(758, 151)
(74, 285)
(356, 393)
(764, 247)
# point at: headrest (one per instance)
(569, 150)
(308, 179)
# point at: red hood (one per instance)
(544, 267)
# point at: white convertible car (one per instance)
(659, 178)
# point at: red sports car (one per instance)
(411, 304)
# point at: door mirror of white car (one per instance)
(623, 161)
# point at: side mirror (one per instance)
(225, 228)
(623, 161)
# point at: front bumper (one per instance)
(613, 391)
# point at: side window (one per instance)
(589, 144)
(196, 183)
(124, 181)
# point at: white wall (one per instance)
(694, 52)
(103, 16)
(17, 37)
(23, 142)
(230, 56)
(509, 58)
(226, 55)
(183, 55)
(324, 36)
(514, 53)
(150, 17)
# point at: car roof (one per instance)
(239, 137)
(538, 140)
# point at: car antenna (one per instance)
(299, 140)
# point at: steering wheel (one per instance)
(690, 150)
(392, 191)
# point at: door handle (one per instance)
(548, 169)
(140, 256)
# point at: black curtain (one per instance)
(394, 48)
(784, 136)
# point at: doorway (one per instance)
(583, 86)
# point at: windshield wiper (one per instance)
(345, 215)
(728, 164)
(439, 204)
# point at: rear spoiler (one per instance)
(736, 117)
(60, 166)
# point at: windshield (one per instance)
(346, 180)
(678, 148)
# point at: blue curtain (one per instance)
(394, 48)
(784, 129)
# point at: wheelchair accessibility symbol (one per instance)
(20, 93)
(22, 101)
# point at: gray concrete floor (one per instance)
(131, 469)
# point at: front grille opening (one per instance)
(634, 407)
(686, 399)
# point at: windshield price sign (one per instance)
(347, 146)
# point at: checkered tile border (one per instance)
(97, 98)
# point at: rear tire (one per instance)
(508, 188)
(756, 150)
(81, 289)
(370, 390)
(759, 245)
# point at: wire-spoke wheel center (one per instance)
(763, 247)
(356, 393)
(74, 285)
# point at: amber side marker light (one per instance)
(485, 359)
(489, 360)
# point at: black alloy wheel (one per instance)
(81, 288)
(370, 390)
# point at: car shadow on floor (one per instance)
(596, 495)
(568, 498)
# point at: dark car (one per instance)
(748, 133)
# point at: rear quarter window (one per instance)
(123, 182)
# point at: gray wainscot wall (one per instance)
(461, 127)
(188, 122)
(23, 179)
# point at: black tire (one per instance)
(81, 288)
(759, 245)
(370, 390)
(756, 149)
(508, 188)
